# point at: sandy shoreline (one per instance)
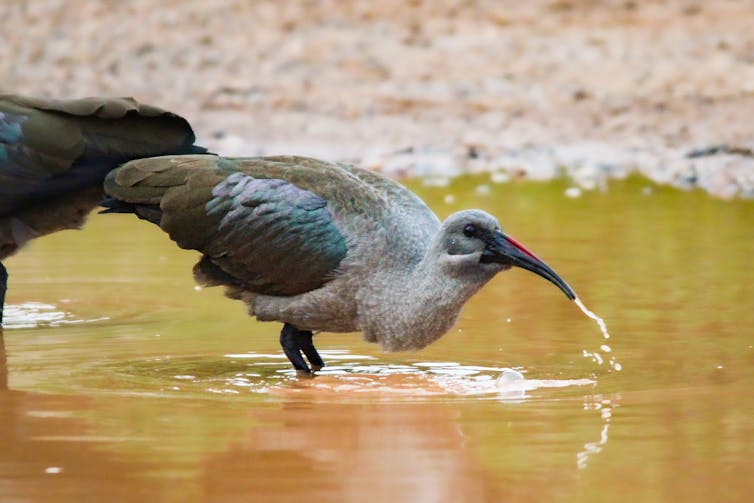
(587, 89)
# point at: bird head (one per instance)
(471, 242)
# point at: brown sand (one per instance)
(591, 89)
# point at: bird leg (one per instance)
(289, 342)
(304, 339)
(294, 341)
(3, 288)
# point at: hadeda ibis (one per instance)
(321, 246)
(54, 155)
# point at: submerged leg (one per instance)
(304, 339)
(3, 288)
(289, 341)
(294, 342)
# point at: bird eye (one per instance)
(469, 230)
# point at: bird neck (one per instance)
(423, 304)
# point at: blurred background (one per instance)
(595, 88)
(614, 138)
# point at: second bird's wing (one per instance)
(53, 147)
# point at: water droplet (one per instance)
(509, 376)
(603, 328)
(600, 321)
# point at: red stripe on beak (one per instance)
(521, 247)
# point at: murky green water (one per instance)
(124, 382)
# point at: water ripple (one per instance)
(39, 314)
(351, 375)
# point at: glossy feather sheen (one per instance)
(296, 238)
(54, 155)
(317, 245)
(269, 235)
(278, 238)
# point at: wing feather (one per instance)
(53, 147)
(268, 234)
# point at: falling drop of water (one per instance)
(604, 347)
(593, 316)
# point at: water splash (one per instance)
(512, 385)
(595, 355)
(39, 314)
(349, 374)
(600, 321)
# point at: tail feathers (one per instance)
(196, 149)
(113, 205)
(181, 185)
(149, 212)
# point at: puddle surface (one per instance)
(38, 315)
(347, 375)
(120, 381)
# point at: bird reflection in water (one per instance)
(392, 452)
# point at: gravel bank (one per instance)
(588, 89)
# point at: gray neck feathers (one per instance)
(417, 306)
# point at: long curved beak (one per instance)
(506, 250)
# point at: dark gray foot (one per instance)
(294, 342)
(3, 289)
(304, 340)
